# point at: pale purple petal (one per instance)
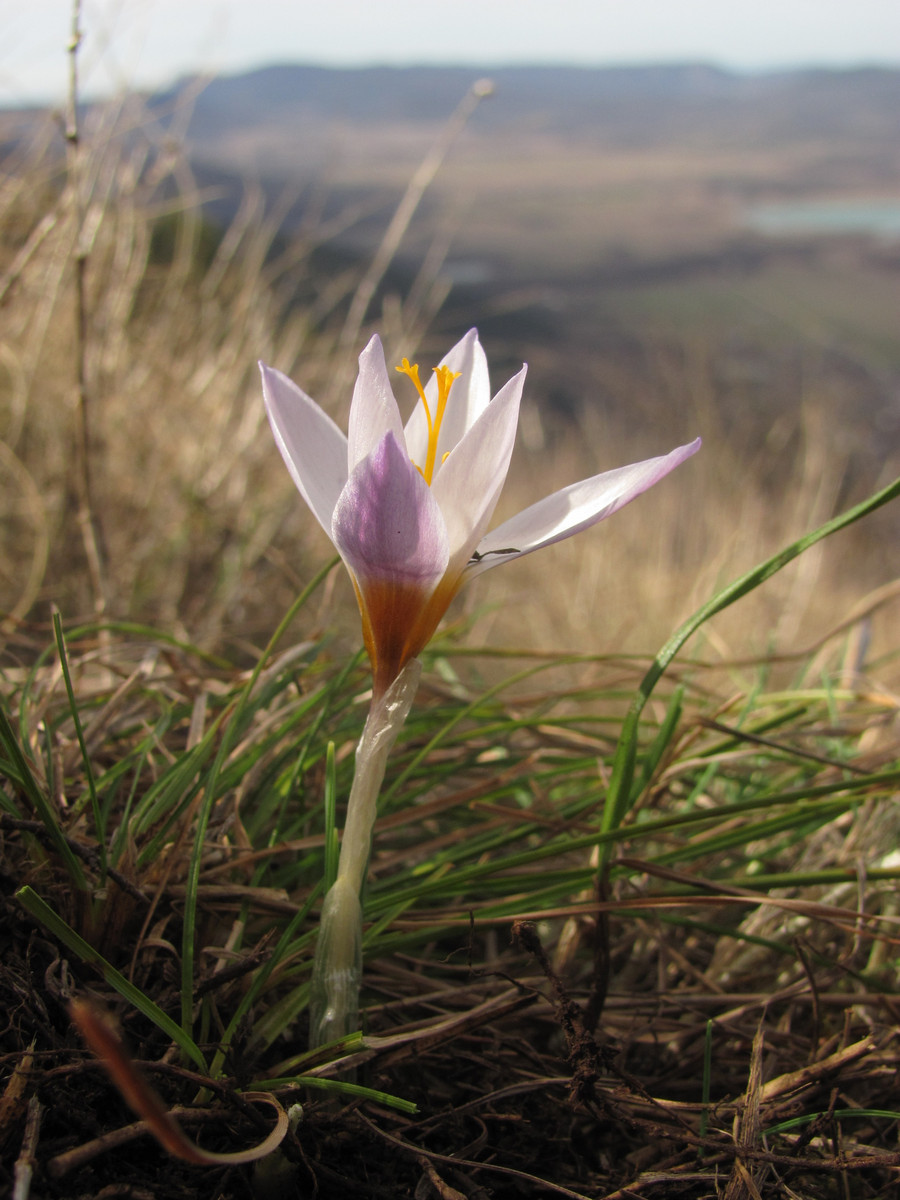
(373, 411)
(387, 525)
(469, 397)
(312, 446)
(469, 483)
(574, 508)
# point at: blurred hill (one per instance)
(604, 217)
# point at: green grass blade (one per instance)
(331, 833)
(21, 774)
(210, 796)
(99, 824)
(260, 978)
(839, 1114)
(620, 788)
(660, 743)
(338, 1087)
(51, 920)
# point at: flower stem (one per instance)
(337, 968)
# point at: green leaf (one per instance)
(626, 752)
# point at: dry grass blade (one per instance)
(521, 1177)
(440, 1031)
(743, 1183)
(794, 1081)
(23, 506)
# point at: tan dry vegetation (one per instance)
(626, 585)
(185, 488)
(200, 527)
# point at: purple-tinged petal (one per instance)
(468, 485)
(373, 411)
(390, 532)
(312, 446)
(386, 522)
(574, 508)
(469, 397)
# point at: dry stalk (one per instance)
(87, 520)
(421, 180)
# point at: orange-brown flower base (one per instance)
(398, 621)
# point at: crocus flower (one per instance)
(408, 506)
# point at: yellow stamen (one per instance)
(445, 378)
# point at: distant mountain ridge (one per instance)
(610, 105)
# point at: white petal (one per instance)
(312, 446)
(469, 483)
(469, 397)
(373, 411)
(574, 508)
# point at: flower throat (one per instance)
(445, 378)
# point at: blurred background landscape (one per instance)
(675, 249)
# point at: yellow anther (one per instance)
(413, 373)
(445, 378)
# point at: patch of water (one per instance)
(877, 217)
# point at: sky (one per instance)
(150, 43)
